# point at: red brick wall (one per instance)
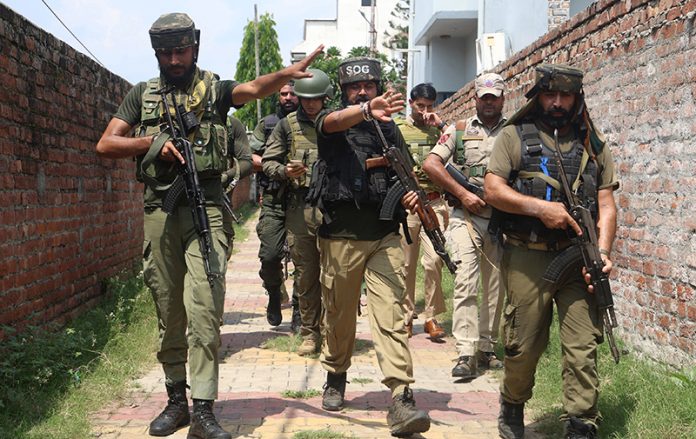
(640, 62)
(68, 219)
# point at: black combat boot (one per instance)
(576, 428)
(273, 314)
(465, 368)
(334, 390)
(296, 322)
(511, 420)
(204, 425)
(175, 415)
(403, 417)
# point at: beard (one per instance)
(288, 107)
(556, 117)
(179, 81)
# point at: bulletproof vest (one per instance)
(473, 150)
(420, 141)
(539, 177)
(269, 122)
(303, 146)
(209, 140)
(341, 175)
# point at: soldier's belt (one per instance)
(543, 246)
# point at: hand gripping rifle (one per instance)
(407, 182)
(187, 179)
(586, 246)
(463, 181)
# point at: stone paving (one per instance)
(252, 380)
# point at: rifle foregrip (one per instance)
(558, 268)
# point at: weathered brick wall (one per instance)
(640, 62)
(558, 12)
(68, 219)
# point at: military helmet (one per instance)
(171, 31)
(358, 69)
(556, 77)
(317, 86)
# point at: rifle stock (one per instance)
(425, 212)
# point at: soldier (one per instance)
(271, 225)
(238, 144)
(355, 244)
(421, 130)
(469, 144)
(522, 181)
(173, 263)
(290, 153)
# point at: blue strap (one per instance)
(545, 170)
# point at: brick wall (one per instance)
(68, 219)
(558, 12)
(640, 62)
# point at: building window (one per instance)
(368, 2)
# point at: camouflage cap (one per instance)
(358, 69)
(173, 30)
(556, 77)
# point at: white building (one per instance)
(451, 41)
(350, 28)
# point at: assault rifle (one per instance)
(586, 247)
(286, 258)
(462, 180)
(187, 180)
(407, 182)
(227, 191)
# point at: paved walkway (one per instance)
(252, 380)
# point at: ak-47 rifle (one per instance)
(187, 180)
(586, 246)
(407, 182)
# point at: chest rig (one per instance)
(539, 177)
(473, 148)
(420, 142)
(303, 146)
(340, 174)
(209, 140)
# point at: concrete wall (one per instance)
(640, 62)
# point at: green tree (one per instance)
(328, 63)
(390, 74)
(269, 61)
(396, 37)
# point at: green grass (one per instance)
(639, 399)
(361, 380)
(301, 394)
(320, 434)
(53, 379)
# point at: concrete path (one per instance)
(252, 380)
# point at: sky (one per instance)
(116, 31)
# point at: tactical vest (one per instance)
(303, 146)
(209, 140)
(473, 150)
(269, 122)
(341, 175)
(420, 141)
(539, 177)
(268, 185)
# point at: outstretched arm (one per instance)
(380, 108)
(266, 85)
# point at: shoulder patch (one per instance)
(443, 138)
(472, 131)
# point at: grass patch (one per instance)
(283, 343)
(638, 398)
(361, 380)
(320, 434)
(362, 346)
(301, 394)
(52, 379)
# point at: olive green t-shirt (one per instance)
(507, 156)
(130, 112)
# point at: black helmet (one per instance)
(319, 85)
(174, 30)
(358, 69)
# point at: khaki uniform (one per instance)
(294, 138)
(355, 245)
(529, 308)
(473, 326)
(420, 140)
